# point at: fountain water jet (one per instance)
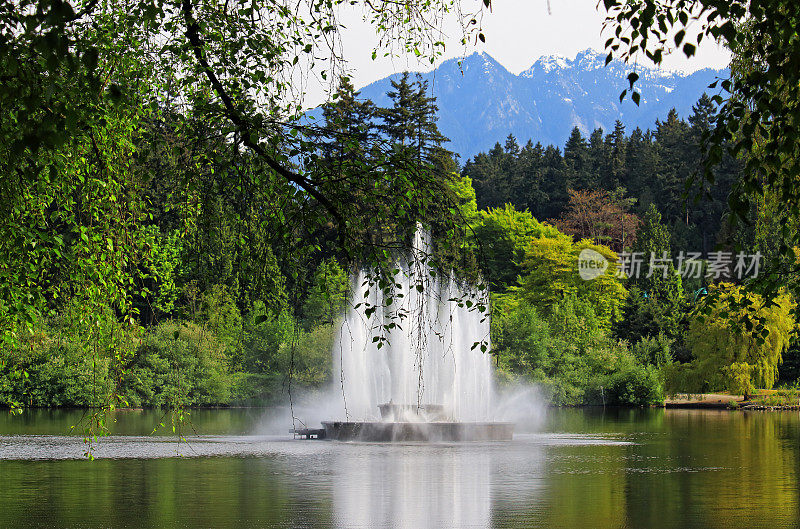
(409, 368)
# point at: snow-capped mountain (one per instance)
(480, 102)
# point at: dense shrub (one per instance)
(309, 358)
(54, 373)
(65, 361)
(258, 389)
(637, 386)
(221, 359)
(656, 350)
(572, 358)
(178, 364)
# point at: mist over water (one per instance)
(525, 405)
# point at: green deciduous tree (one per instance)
(504, 235)
(178, 365)
(81, 79)
(571, 357)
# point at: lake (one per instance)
(576, 468)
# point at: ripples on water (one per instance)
(59, 447)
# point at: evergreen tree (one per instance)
(348, 122)
(510, 167)
(511, 146)
(653, 239)
(676, 154)
(709, 199)
(529, 185)
(616, 144)
(428, 140)
(641, 161)
(655, 302)
(410, 123)
(702, 117)
(598, 160)
(554, 183)
(417, 145)
(576, 160)
(399, 121)
(484, 172)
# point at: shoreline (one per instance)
(668, 405)
(721, 401)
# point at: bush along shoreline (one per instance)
(218, 359)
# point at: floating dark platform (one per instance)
(308, 433)
(418, 431)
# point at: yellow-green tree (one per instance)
(464, 196)
(739, 345)
(552, 274)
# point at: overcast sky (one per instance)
(517, 33)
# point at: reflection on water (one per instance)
(413, 487)
(619, 468)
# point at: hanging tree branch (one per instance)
(245, 129)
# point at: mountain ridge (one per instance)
(481, 102)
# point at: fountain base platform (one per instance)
(418, 431)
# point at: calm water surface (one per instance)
(578, 468)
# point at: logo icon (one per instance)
(591, 264)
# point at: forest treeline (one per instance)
(237, 295)
(636, 168)
(629, 339)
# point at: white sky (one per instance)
(517, 33)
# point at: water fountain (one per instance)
(412, 368)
